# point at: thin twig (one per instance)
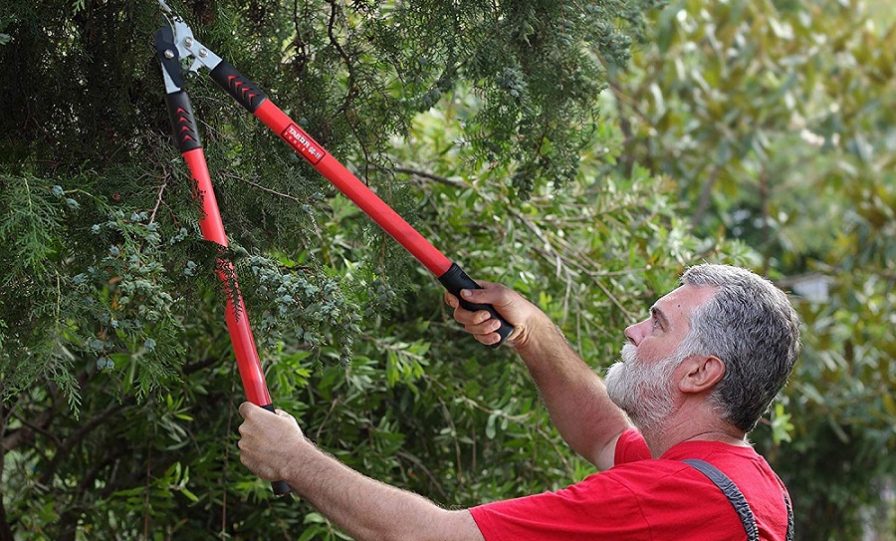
(350, 94)
(431, 176)
(559, 258)
(298, 43)
(323, 423)
(554, 256)
(457, 455)
(64, 448)
(432, 477)
(263, 188)
(152, 217)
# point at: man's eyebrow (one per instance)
(660, 315)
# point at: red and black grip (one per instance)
(454, 280)
(451, 276)
(239, 87)
(183, 124)
(235, 315)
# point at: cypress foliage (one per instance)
(93, 192)
(109, 313)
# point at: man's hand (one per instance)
(571, 390)
(273, 447)
(519, 312)
(269, 441)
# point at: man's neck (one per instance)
(678, 430)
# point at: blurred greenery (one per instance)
(778, 122)
(582, 153)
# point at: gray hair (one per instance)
(751, 326)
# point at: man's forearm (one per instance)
(368, 509)
(574, 394)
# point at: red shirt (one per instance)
(640, 498)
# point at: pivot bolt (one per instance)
(203, 53)
(169, 54)
(188, 42)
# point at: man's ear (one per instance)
(701, 373)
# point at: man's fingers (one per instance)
(487, 339)
(466, 317)
(483, 328)
(248, 409)
(480, 323)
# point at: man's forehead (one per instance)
(683, 300)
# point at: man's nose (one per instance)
(632, 334)
(635, 333)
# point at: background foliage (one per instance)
(755, 133)
(777, 121)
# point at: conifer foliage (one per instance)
(111, 335)
(92, 192)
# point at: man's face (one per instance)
(642, 383)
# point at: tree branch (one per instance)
(200, 365)
(25, 434)
(63, 450)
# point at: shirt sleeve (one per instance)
(596, 508)
(630, 447)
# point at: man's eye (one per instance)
(656, 323)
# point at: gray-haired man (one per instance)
(668, 428)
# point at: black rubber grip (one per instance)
(242, 89)
(456, 279)
(280, 488)
(183, 125)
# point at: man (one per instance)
(694, 379)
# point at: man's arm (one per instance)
(273, 447)
(574, 394)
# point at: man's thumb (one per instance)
(474, 295)
(489, 294)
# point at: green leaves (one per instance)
(776, 121)
(764, 122)
(781, 425)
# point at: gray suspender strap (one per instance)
(736, 497)
(789, 518)
(730, 490)
(789, 510)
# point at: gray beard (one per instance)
(642, 390)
